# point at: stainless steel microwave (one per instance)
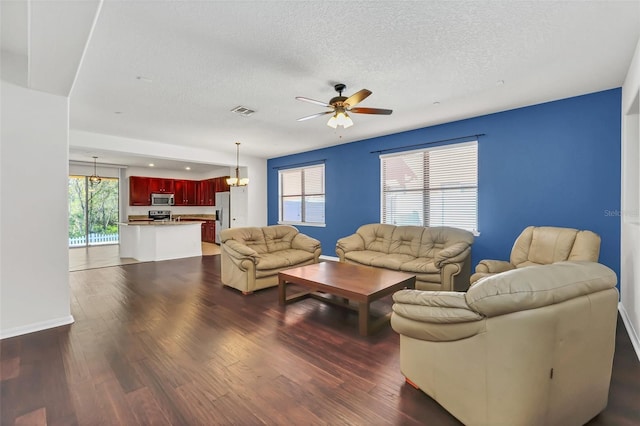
(162, 199)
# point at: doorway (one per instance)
(93, 211)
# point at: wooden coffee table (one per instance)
(359, 284)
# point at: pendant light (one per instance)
(237, 181)
(94, 179)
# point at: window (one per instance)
(302, 195)
(432, 187)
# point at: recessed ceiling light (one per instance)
(151, 164)
(187, 168)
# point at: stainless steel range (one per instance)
(160, 215)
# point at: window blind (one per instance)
(302, 195)
(431, 187)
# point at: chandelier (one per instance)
(237, 181)
(94, 179)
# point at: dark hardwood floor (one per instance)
(163, 343)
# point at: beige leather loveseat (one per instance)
(252, 256)
(542, 245)
(532, 346)
(440, 257)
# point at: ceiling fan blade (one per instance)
(357, 97)
(315, 115)
(313, 101)
(371, 111)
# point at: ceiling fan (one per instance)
(340, 105)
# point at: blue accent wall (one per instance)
(554, 164)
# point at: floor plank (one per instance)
(161, 343)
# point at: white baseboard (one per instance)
(332, 258)
(38, 326)
(633, 333)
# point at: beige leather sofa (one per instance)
(541, 246)
(440, 257)
(252, 256)
(532, 346)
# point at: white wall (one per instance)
(630, 223)
(256, 168)
(86, 170)
(34, 256)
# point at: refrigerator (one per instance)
(222, 213)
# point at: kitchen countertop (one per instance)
(185, 217)
(160, 222)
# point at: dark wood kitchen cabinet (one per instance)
(161, 185)
(221, 184)
(139, 191)
(206, 192)
(209, 231)
(186, 191)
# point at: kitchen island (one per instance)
(160, 240)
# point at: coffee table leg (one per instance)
(363, 318)
(282, 291)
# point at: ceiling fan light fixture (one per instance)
(340, 118)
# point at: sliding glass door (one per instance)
(93, 211)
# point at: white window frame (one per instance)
(425, 189)
(302, 195)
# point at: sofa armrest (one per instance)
(433, 306)
(494, 266)
(238, 250)
(455, 253)
(351, 243)
(434, 315)
(305, 242)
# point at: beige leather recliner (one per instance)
(531, 346)
(251, 257)
(542, 245)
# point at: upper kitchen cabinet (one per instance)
(161, 185)
(186, 192)
(139, 191)
(206, 192)
(221, 184)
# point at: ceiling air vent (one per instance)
(244, 111)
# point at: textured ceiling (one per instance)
(200, 59)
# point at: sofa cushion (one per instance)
(391, 261)
(252, 237)
(550, 244)
(420, 265)
(279, 237)
(437, 238)
(364, 257)
(537, 286)
(282, 259)
(406, 240)
(376, 236)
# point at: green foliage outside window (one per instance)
(98, 201)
